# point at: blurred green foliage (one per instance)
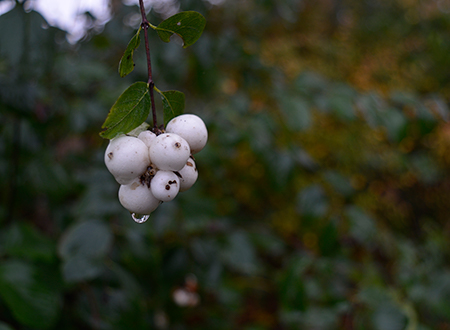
(324, 191)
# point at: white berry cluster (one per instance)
(153, 168)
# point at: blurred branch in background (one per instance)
(324, 194)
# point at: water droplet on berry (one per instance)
(139, 218)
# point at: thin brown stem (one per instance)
(145, 25)
(96, 318)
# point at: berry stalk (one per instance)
(145, 25)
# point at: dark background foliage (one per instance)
(324, 191)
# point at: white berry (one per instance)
(147, 137)
(126, 157)
(189, 175)
(136, 197)
(191, 128)
(165, 185)
(169, 152)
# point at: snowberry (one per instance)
(126, 157)
(165, 185)
(147, 137)
(137, 197)
(191, 128)
(189, 175)
(169, 152)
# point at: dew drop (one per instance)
(139, 218)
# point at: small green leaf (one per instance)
(362, 226)
(188, 25)
(91, 239)
(312, 202)
(173, 104)
(80, 268)
(126, 64)
(296, 111)
(130, 110)
(240, 253)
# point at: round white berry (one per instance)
(189, 175)
(169, 152)
(137, 197)
(191, 128)
(147, 137)
(165, 185)
(126, 157)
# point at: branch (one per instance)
(145, 25)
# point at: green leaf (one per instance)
(291, 290)
(312, 201)
(188, 25)
(340, 183)
(83, 248)
(240, 253)
(130, 110)
(173, 104)
(91, 239)
(362, 226)
(23, 240)
(296, 112)
(388, 316)
(340, 101)
(12, 25)
(80, 268)
(396, 124)
(4, 326)
(31, 302)
(126, 64)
